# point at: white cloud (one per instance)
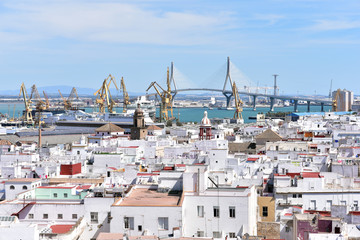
(328, 25)
(109, 22)
(271, 19)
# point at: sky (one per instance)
(307, 43)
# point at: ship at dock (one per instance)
(73, 119)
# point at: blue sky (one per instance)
(78, 43)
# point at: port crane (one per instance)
(238, 103)
(40, 106)
(104, 95)
(166, 99)
(68, 101)
(28, 115)
(126, 99)
(35, 96)
(335, 101)
(47, 103)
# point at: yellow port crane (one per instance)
(68, 101)
(335, 101)
(28, 115)
(166, 99)
(104, 95)
(238, 103)
(47, 103)
(40, 106)
(126, 99)
(35, 96)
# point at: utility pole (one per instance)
(275, 86)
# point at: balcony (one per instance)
(291, 202)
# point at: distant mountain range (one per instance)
(65, 91)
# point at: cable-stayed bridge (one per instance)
(228, 93)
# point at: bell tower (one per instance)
(138, 131)
(205, 128)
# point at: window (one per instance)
(287, 229)
(74, 216)
(200, 233)
(232, 235)
(31, 216)
(216, 234)
(232, 212)
(45, 216)
(328, 205)
(299, 195)
(94, 217)
(343, 203)
(24, 187)
(163, 223)
(294, 195)
(129, 223)
(200, 211)
(55, 195)
(140, 228)
(65, 195)
(313, 204)
(216, 211)
(78, 152)
(60, 216)
(12, 187)
(356, 205)
(264, 211)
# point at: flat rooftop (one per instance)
(147, 197)
(22, 180)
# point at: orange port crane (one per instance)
(104, 95)
(68, 101)
(27, 115)
(238, 103)
(166, 99)
(126, 99)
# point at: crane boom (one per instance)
(47, 104)
(238, 103)
(166, 99)
(126, 98)
(27, 101)
(104, 95)
(68, 101)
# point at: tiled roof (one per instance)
(5, 142)
(153, 127)
(110, 127)
(268, 134)
(60, 229)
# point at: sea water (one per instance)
(184, 114)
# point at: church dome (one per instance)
(205, 121)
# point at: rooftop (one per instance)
(60, 229)
(153, 127)
(120, 236)
(110, 127)
(16, 180)
(147, 197)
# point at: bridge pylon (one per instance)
(227, 94)
(172, 80)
